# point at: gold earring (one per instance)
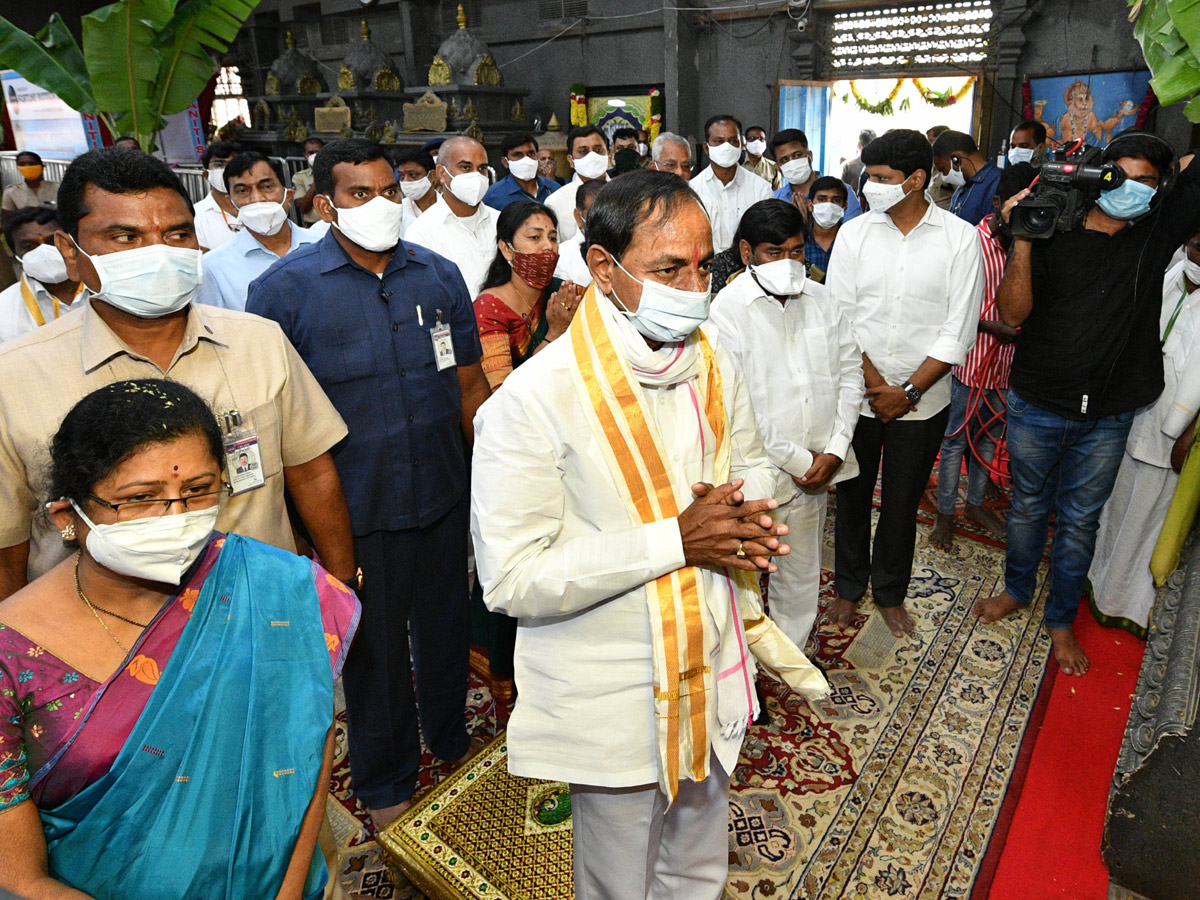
(68, 533)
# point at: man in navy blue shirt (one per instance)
(975, 177)
(389, 332)
(519, 155)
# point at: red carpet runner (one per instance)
(1052, 850)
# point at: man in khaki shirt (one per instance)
(118, 200)
(32, 190)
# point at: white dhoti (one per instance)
(629, 846)
(794, 589)
(1122, 586)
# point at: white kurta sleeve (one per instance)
(748, 458)
(850, 389)
(517, 501)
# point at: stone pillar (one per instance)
(1010, 44)
(680, 75)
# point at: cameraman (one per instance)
(1088, 355)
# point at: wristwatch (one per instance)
(912, 392)
(355, 581)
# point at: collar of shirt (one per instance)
(246, 244)
(99, 343)
(334, 256)
(740, 175)
(933, 216)
(509, 185)
(747, 290)
(981, 173)
(441, 211)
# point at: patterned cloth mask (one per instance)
(535, 269)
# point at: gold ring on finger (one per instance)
(741, 552)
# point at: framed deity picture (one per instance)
(1094, 107)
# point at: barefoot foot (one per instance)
(1071, 658)
(942, 535)
(993, 609)
(382, 818)
(842, 612)
(898, 620)
(985, 519)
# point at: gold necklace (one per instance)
(96, 611)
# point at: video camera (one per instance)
(1061, 195)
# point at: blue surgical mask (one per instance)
(665, 313)
(1129, 201)
(1020, 155)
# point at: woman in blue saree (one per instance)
(166, 695)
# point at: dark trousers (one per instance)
(911, 448)
(414, 598)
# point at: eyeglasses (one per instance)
(132, 510)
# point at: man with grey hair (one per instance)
(672, 153)
(853, 169)
(460, 226)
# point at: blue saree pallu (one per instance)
(207, 796)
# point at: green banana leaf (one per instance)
(51, 60)
(198, 26)
(1176, 73)
(120, 47)
(1185, 16)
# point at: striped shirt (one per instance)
(989, 362)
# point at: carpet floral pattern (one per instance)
(890, 788)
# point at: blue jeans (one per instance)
(955, 445)
(1069, 468)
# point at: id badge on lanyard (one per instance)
(243, 463)
(443, 344)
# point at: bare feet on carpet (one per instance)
(993, 609)
(1071, 658)
(985, 519)
(942, 535)
(382, 818)
(898, 620)
(842, 612)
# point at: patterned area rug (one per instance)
(891, 788)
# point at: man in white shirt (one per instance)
(587, 154)
(256, 185)
(460, 226)
(45, 290)
(909, 276)
(571, 263)
(414, 169)
(672, 153)
(726, 188)
(804, 371)
(216, 216)
(596, 523)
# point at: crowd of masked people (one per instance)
(278, 437)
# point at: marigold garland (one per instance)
(944, 98)
(579, 104)
(655, 109)
(884, 106)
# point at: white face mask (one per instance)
(954, 177)
(312, 158)
(415, 190)
(148, 282)
(828, 214)
(216, 179)
(157, 549)
(592, 166)
(756, 148)
(797, 171)
(374, 226)
(643, 150)
(883, 197)
(1020, 155)
(781, 278)
(1191, 270)
(665, 313)
(523, 169)
(265, 217)
(45, 264)
(469, 187)
(724, 155)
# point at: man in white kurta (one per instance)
(560, 546)
(797, 352)
(1122, 587)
